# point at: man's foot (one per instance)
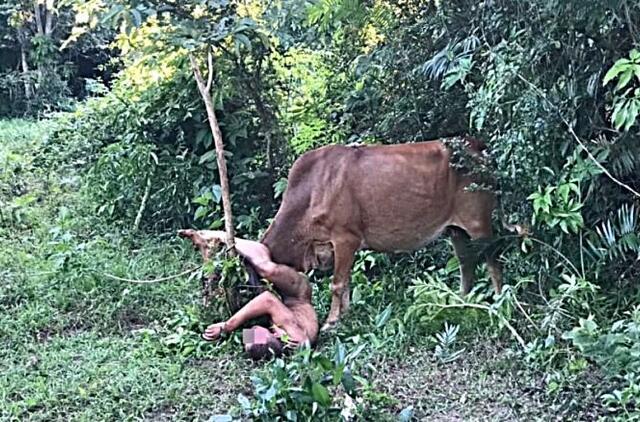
(213, 332)
(205, 241)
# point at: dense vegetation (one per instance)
(552, 87)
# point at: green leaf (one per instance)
(383, 317)
(279, 187)
(244, 402)
(348, 382)
(324, 362)
(619, 114)
(137, 17)
(200, 213)
(624, 78)
(204, 137)
(321, 394)
(208, 157)
(356, 296)
(291, 415)
(632, 114)
(612, 73)
(221, 418)
(244, 40)
(337, 374)
(216, 190)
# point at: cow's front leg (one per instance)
(344, 253)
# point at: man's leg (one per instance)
(287, 280)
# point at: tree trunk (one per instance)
(48, 21)
(217, 139)
(37, 12)
(25, 69)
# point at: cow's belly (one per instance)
(394, 238)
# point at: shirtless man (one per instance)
(293, 317)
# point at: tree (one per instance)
(31, 34)
(191, 30)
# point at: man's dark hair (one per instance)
(257, 351)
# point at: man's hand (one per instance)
(213, 331)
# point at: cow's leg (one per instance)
(344, 254)
(481, 229)
(345, 301)
(495, 271)
(467, 259)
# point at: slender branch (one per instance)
(37, 14)
(560, 254)
(48, 23)
(28, 88)
(209, 70)
(156, 280)
(219, 145)
(526, 315)
(632, 29)
(143, 205)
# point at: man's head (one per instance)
(260, 343)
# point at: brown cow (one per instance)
(387, 198)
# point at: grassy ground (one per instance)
(76, 344)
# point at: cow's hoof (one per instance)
(329, 326)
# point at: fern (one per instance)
(446, 340)
(449, 58)
(618, 236)
(625, 158)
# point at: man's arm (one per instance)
(265, 304)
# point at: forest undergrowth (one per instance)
(78, 344)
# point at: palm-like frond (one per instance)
(618, 236)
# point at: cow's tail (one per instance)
(520, 230)
(475, 144)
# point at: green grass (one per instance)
(77, 345)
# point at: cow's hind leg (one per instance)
(481, 230)
(344, 254)
(495, 271)
(345, 301)
(468, 260)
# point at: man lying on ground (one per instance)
(294, 321)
